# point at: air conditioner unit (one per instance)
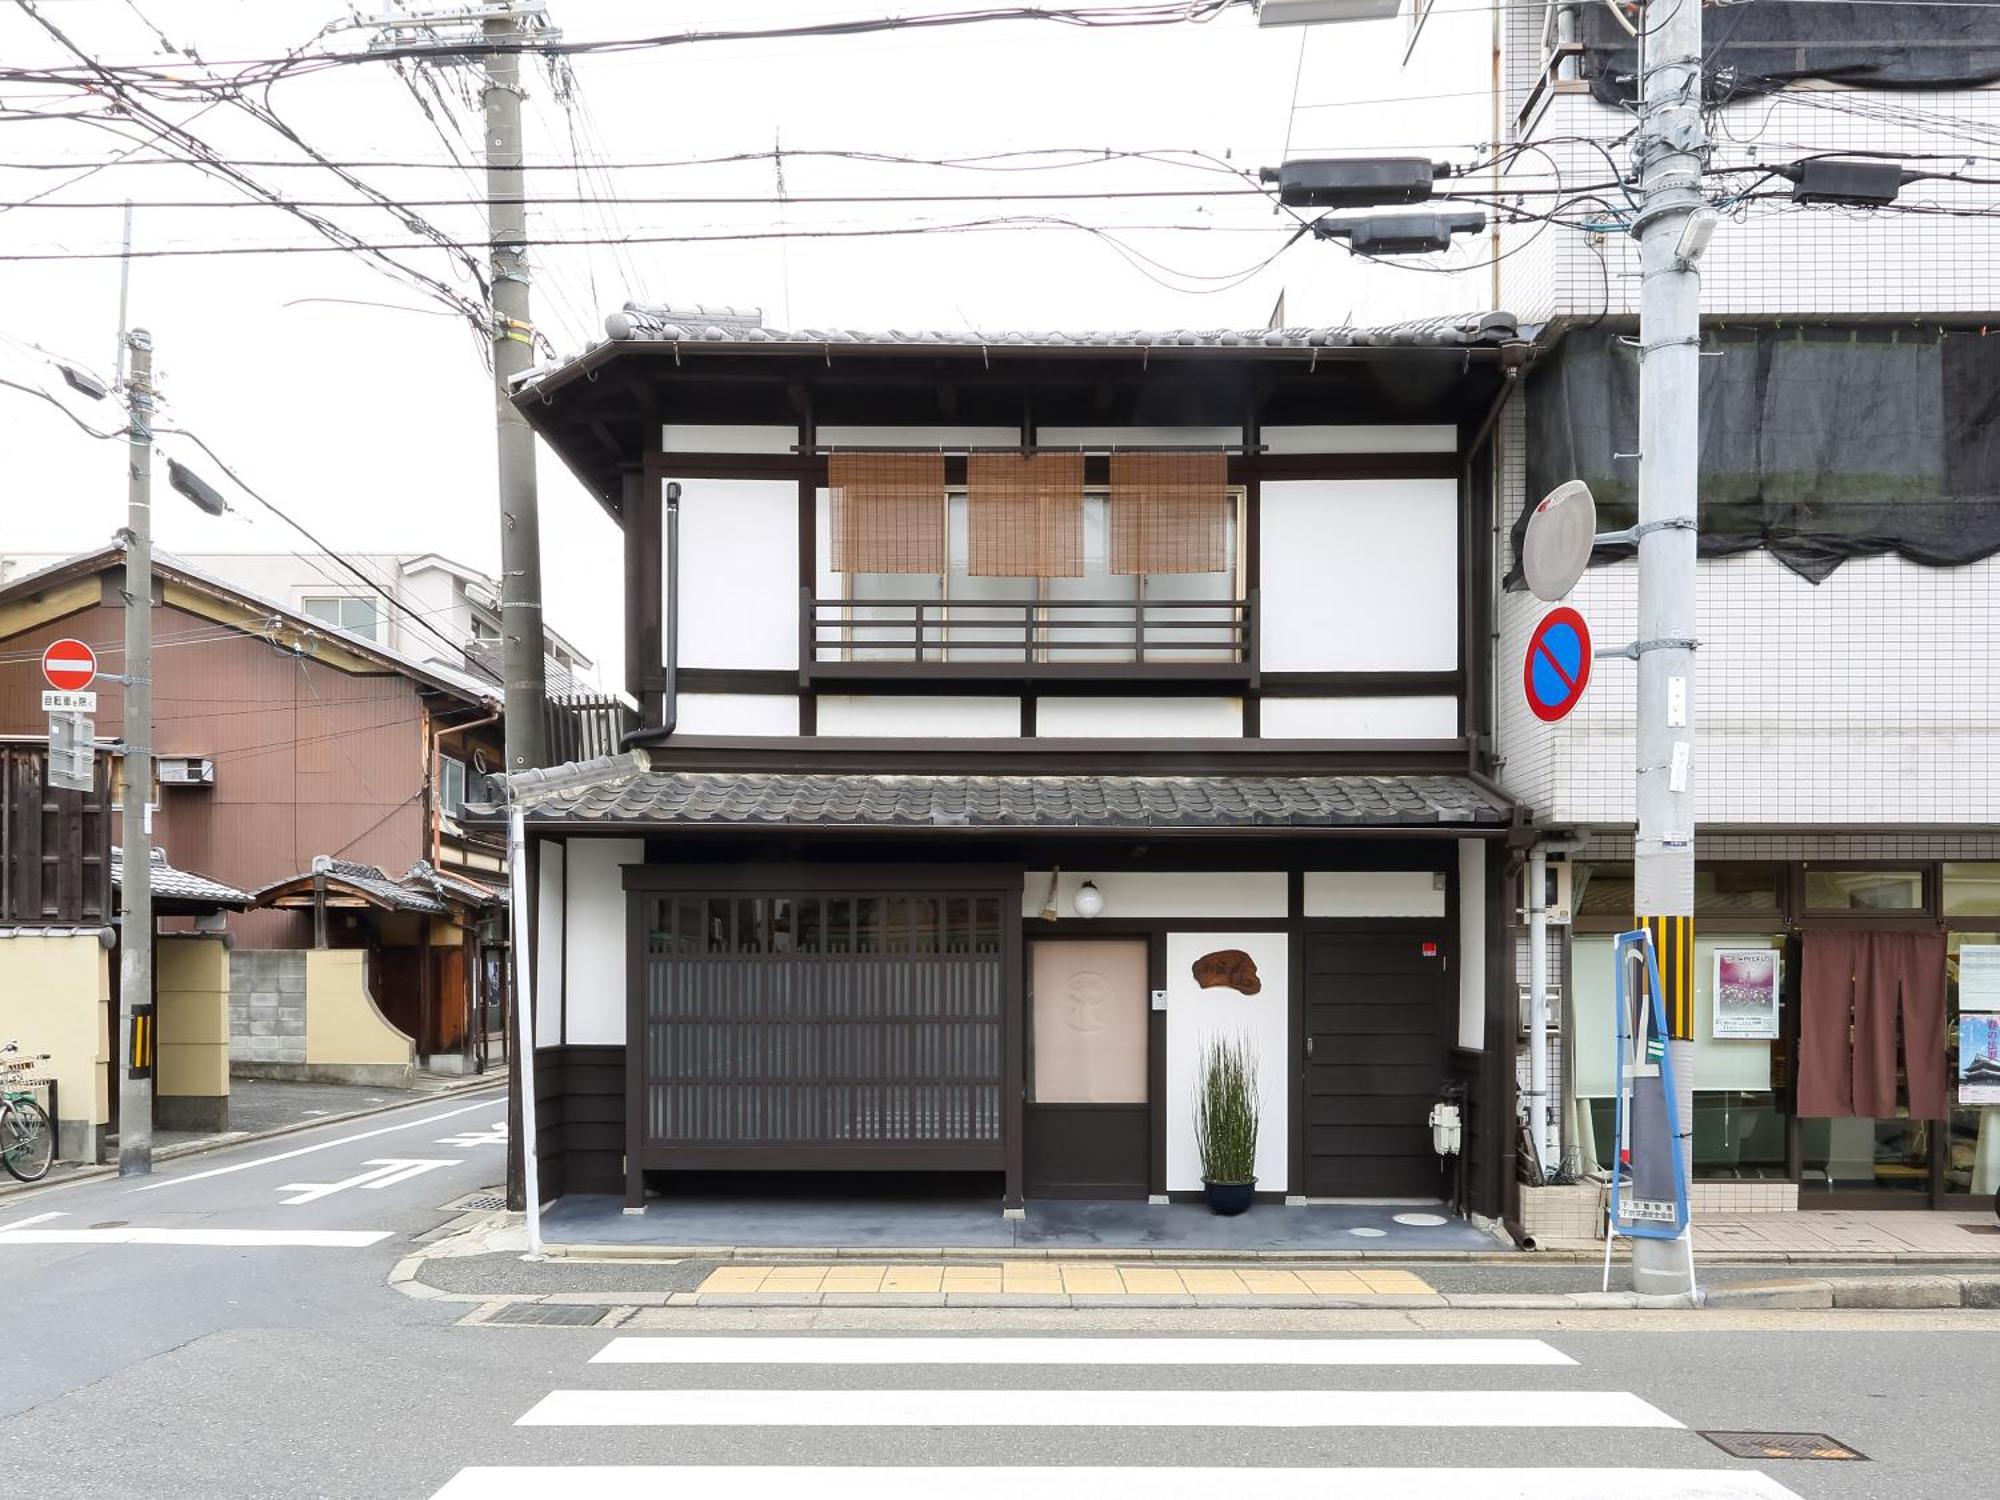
(1561, 886)
(1555, 1009)
(187, 770)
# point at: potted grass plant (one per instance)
(1225, 1123)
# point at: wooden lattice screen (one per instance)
(1024, 515)
(888, 512)
(1170, 512)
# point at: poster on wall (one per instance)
(1746, 994)
(1979, 976)
(1978, 1059)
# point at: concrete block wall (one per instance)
(267, 1006)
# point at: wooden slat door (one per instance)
(1376, 1018)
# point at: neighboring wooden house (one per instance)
(281, 740)
(1027, 708)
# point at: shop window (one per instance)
(1739, 1131)
(1863, 890)
(1972, 890)
(1720, 890)
(1972, 1143)
(1862, 1155)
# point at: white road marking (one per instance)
(494, 1135)
(251, 1238)
(1099, 1409)
(346, 1140)
(832, 1350)
(386, 1171)
(844, 1483)
(32, 1219)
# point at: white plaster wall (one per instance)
(700, 437)
(739, 577)
(1359, 718)
(1133, 893)
(594, 960)
(1139, 718)
(1472, 943)
(1404, 439)
(1139, 437)
(548, 965)
(1373, 893)
(738, 713)
(920, 717)
(1194, 1014)
(918, 437)
(1359, 575)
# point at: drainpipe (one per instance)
(1538, 1006)
(670, 697)
(524, 1015)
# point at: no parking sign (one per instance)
(1556, 668)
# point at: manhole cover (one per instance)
(1368, 1234)
(1782, 1445)
(548, 1314)
(478, 1202)
(1421, 1221)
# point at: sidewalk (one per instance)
(260, 1108)
(1831, 1236)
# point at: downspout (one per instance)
(1475, 643)
(670, 651)
(524, 1016)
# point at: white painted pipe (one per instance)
(522, 954)
(1538, 1006)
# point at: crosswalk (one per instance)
(1097, 1391)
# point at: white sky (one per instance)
(373, 426)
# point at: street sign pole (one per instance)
(135, 944)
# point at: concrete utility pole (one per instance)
(513, 351)
(135, 946)
(1671, 151)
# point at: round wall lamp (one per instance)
(1089, 900)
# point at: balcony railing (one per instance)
(1029, 637)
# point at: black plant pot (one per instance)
(1229, 1198)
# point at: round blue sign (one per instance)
(1556, 669)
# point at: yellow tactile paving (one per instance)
(1267, 1282)
(1099, 1280)
(1046, 1278)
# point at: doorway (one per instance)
(1376, 1052)
(1088, 1119)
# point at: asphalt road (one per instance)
(252, 1364)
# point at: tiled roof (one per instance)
(638, 322)
(369, 880)
(180, 885)
(424, 875)
(1030, 802)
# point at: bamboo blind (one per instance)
(1170, 512)
(1024, 515)
(888, 512)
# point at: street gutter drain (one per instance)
(482, 1202)
(1783, 1445)
(549, 1314)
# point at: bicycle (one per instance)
(27, 1140)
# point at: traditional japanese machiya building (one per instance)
(1024, 710)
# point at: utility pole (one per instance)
(513, 334)
(1670, 153)
(135, 945)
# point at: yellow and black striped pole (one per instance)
(1673, 945)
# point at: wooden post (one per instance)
(319, 911)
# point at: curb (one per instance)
(1878, 1293)
(242, 1138)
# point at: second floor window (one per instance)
(1026, 563)
(451, 786)
(349, 612)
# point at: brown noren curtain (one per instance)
(1853, 988)
(1170, 512)
(1024, 515)
(888, 512)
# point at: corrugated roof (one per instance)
(643, 323)
(1108, 803)
(180, 885)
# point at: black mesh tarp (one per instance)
(1819, 444)
(1754, 47)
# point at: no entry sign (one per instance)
(1557, 667)
(69, 665)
